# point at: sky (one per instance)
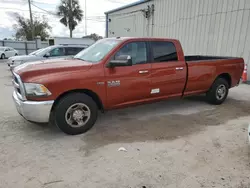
(46, 8)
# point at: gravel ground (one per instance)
(171, 144)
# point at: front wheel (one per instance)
(76, 113)
(217, 94)
(3, 56)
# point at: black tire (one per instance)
(3, 56)
(65, 103)
(16, 54)
(212, 95)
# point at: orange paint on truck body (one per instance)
(123, 86)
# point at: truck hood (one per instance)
(40, 68)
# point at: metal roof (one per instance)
(127, 6)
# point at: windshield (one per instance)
(43, 51)
(35, 52)
(97, 51)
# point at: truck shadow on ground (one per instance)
(145, 123)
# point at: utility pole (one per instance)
(85, 18)
(70, 18)
(31, 21)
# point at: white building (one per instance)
(204, 27)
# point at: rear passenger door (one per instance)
(168, 73)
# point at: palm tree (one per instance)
(70, 18)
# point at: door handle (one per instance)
(143, 71)
(179, 68)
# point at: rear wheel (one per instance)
(16, 54)
(3, 56)
(76, 113)
(217, 94)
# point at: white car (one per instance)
(51, 52)
(6, 52)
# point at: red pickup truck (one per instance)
(115, 73)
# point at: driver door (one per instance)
(129, 84)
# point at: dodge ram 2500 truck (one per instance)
(115, 73)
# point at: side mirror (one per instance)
(124, 60)
(47, 54)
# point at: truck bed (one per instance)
(204, 58)
(201, 71)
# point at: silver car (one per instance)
(51, 52)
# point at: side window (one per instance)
(164, 51)
(57, 52)
(79, 49)
(72, 50)
(137, 51)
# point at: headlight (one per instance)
(38, 90)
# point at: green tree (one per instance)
(70, 18)
(93, 36)
(24, 30)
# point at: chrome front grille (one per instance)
(18, 86)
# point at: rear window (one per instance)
(164, 51)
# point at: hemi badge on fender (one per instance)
(114, 83)
(153, 91)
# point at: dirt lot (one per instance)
(172, 144)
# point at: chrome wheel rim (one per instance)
(221, 92)
(77, 115)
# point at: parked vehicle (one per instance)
(6, 52)
(52, 52)
(74, 41)
(116, 73)
(10, 62)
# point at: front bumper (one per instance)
(36, 111)
(10, 62)
(12, 67)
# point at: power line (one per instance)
(43, 9)
(14, 1)
(40, 12)
(97, 17)
(40, 2)
(7, 8)
(96, 20)
(115, 1)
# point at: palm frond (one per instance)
(63, 10)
